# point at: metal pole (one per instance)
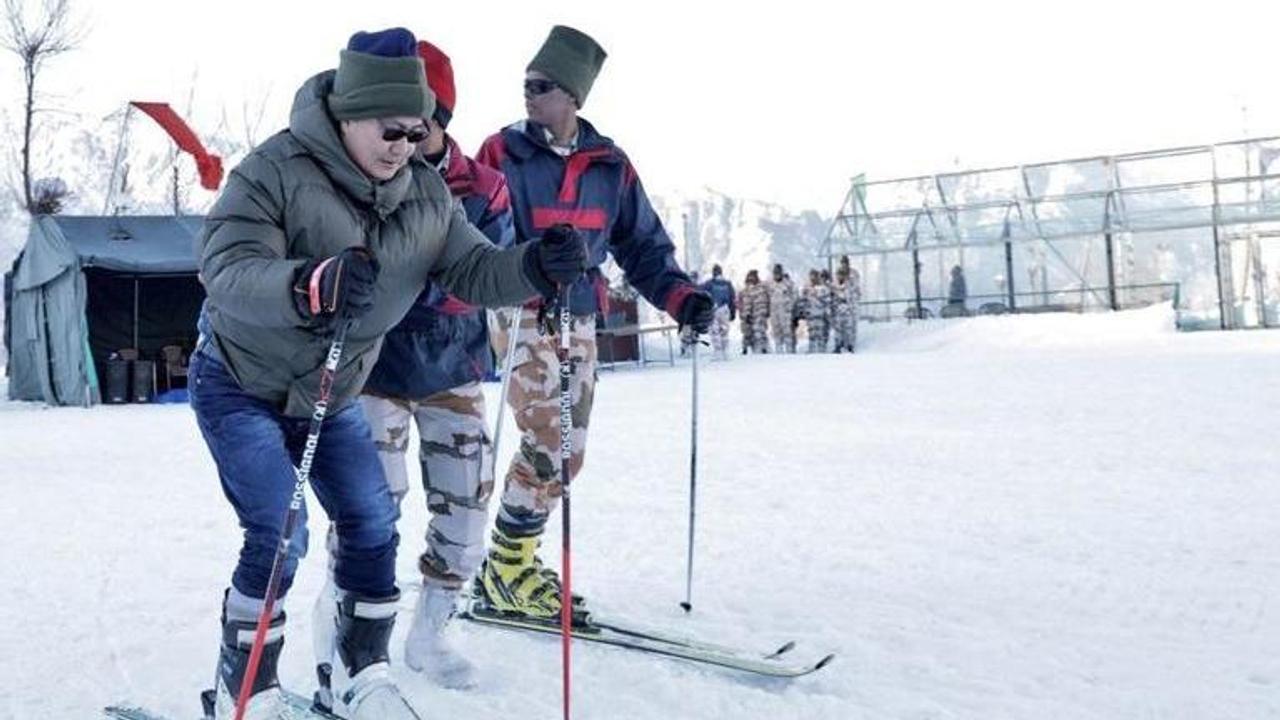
(693, 482)
(1111, 273)
(566, 451)
(1008, 272)
(513, 335)
(115, 164)
(135, 316)
(1253, 262)
(1217, 244)
(1111, 259)
(915, 261)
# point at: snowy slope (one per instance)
(1013, 517)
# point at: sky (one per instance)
(784, 102)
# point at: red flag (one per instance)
(208, 164)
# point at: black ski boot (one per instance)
(265, 702)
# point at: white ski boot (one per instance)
(363, 631)
(427, 650)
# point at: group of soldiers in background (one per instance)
(777, 307)
(828, 309)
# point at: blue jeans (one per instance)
(256, 449)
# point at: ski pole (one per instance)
(513, 334)
(693, 481)
(566, 451)
(321, 408)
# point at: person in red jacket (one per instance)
(561, 170)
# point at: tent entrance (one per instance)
(141, 312)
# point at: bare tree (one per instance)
(233, 139)
(253, 110)
(36, 37)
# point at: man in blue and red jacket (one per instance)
(560, 171)
(726, 310)
(429, 373)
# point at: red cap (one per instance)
(439, 79)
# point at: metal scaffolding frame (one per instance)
(1208, 207)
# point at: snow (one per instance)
(1049, 516)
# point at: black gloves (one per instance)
(557, 258)
(696, 312)
(336, 289)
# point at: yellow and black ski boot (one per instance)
(513, 581)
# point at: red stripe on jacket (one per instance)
(676, 298)
(574, 166)
(581, 218)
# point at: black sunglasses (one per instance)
(414, 135)
(538, 86)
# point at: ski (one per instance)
(777, 663)
(303, 703)
(298, 707)
(130, 712)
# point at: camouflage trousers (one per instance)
(456, 455)
(532, 488)
(819, 332)
(784, 333)
(846, 330)
(755, 334)
(720, 332)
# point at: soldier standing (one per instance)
(817, 304)
(846, 296)
(564, 175)
(782, 300)
(754, 310)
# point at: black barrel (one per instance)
(144, 381)
(117, 389)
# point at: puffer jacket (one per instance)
(299, 196)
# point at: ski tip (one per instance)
(824, 662)
(788, 647)
(687, 607)
(129, 712)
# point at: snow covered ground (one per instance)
(1019, 517)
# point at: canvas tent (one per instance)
(85, 287)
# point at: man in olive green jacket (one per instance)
(331, 223)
